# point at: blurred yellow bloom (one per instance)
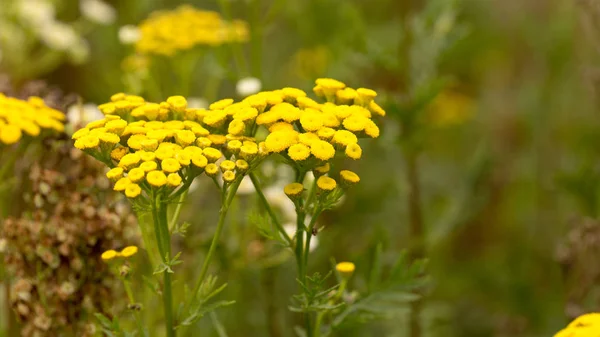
(168, 32)
(450, 108)
(19, 117)
(587, 325)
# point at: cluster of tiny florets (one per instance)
(20, 118)
(166, 145)
(168, 32)
(162, 145)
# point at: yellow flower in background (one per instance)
(19, 118)
(346, 269)
(309, 63)
(450, 108)
(129, 251)
(169, 32)
(587, 325)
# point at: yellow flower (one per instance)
(177, 103)
(287, 112)
(133, 190)
(299, 152)
(227, 165)
(148, 166)
(587, 325)
(148, 144)
(164, 153)
(234, 145)
(228, 176)
(349, 178)
(129, 251)
(326, 133)
(326, 184)
(353, 151)
(321, 170)
(215, 118)
(293, 190)
(376, 109)
(147, 156)
(211, 170)
(156, 178)
(109, 255)
(199, 160)
(281, 140)
(328, 87)
(185, 137)
(346, 96)
(450, 108)
(174, 179)
(236, 127)
(129, 160)
(122, 184)
(322, 150)
(118, 153)
(220, 105)
(109, 138)
(115, 174)
(365, 96)
(355, 122)
(308, 138)
(203, 142)
(346, 269)
(344, 137)
(217, 140)
(115, 126)
(248, 151)
(80, 133)
(183, 158)
(212, 154)
(241, 165)
(136, 175)
(170, 165)
(311, 120)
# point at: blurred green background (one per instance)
(492, 105)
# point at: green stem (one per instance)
(177, 211)
(269, 209)
(136, 314)
(229, 194)
(311, 226)
(161, 225)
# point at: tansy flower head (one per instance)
(109, 255)
(326, 184)
(136, 174)
(241, 165)
(227, 165)
(345, 269)
(129, 251)
(353, 151)
(211, 170)
(349, 178)
(174, 180)
(228, 176)
(115, 174)
(293, 190)
(299, 152)
(133, 190)
(156, 178)
(170, 165)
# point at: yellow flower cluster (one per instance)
(126, 252)
(166, 145)
(18, 117)
(587, 325)
(161, 145)
(167, 32)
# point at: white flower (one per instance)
(248, 86)
(197, 103)
(58, 35)
(129, 34)
(290, 229)
(246, 187)
(36, 12)
(98, 11)
(80, 115)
